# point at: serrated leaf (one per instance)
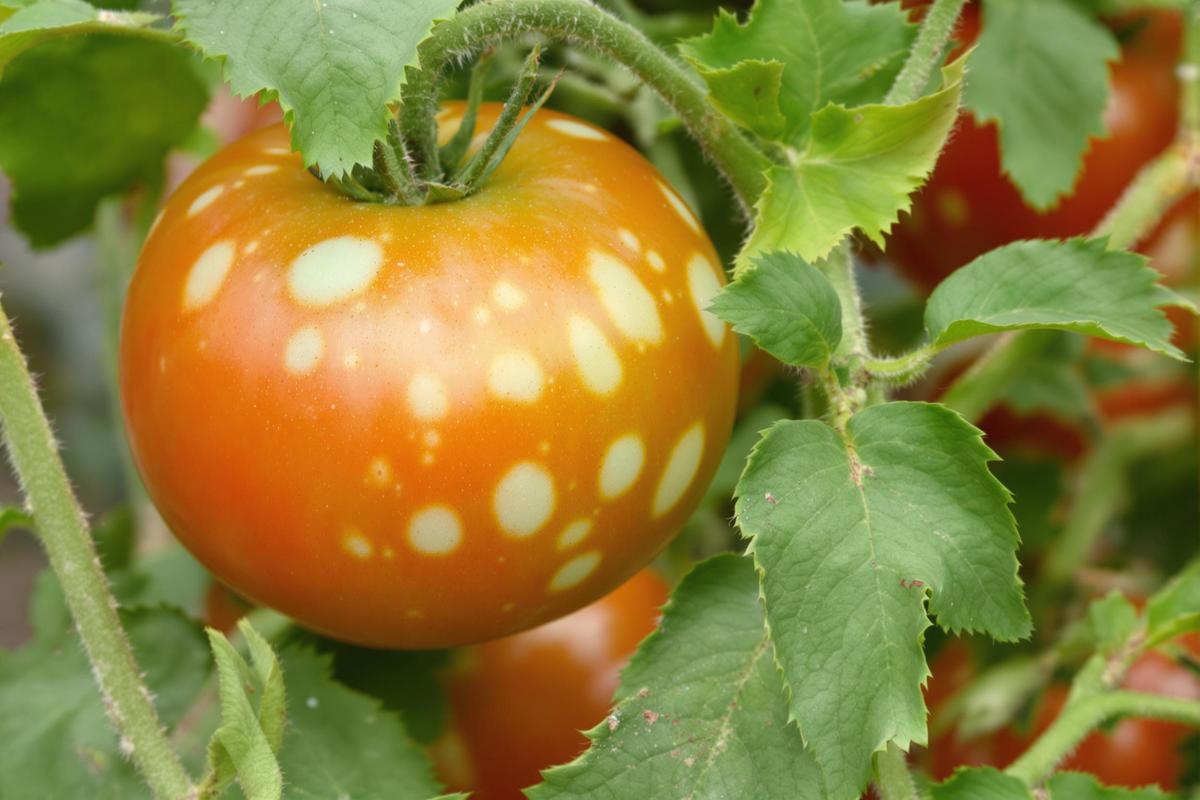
(981, 783)
(857, 171)
(787, 307)
(793, 57)
(334, 65)
(58, 742)
(141, 98)
(1075, 285)
(852, 542)
(1082, 786)
(1039, 70)
(339, 743)
(41, 21)
(701, 711)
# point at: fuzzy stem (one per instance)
(488, 23)
(892, 777)
(60, 524)
(926, 51)
(1080, 717)
(902, 368)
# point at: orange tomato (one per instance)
(428, 426)
(518, 704)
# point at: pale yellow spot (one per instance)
(379, 471)
(303, 351)
(277, 151)
(621, 466)
(681, 208)
(432, 438)
(625, 298)
(681, 469)
(239, 183)
(385, 237)
(655, 261)
(207, 275)
(251, 247)
(629, 239)
(704, 285)
(481, 315)
(667, 297)
(435, 531)
(350, 360)
(574, 533)
(357, 545)
(427, 396)
(524, 499)
(515, 375)
(206, 199)
(334, 270)
(507, 296)
(577, 130)
(575, 571)
(591, 188)
(598, 363)
(261, 169)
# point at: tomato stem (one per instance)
(1080, 716)
(64, 533)
(486, 24)
(926, 53)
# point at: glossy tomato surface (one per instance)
(426, 426)
(969, 206)
(519, 704)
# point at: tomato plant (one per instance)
(518, 704)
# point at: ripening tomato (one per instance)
(518, 704)
(222, 608)
(427, 426)
(969, 206)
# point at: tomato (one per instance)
(969, 206)
(427, 426)
(518, 704)
(1133, 752)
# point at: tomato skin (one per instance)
(969, 206)
(518, 704)
(390, 422)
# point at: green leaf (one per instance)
(1082, 786)
(1050, 380)
(793, 57)
(981, 783)
(1112, 620)
(787, 307)
(1076, 285)
(41, 21)
(334, 67)
(339, 743)
(1039, 70)
(87, 117)
(58, 742)
(856, 171)
(701, 711)
(1175, 608)
(852, 539)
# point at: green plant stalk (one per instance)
(1189, 74)
(926, 52)
(903, 368)
(1079, 718)
(484, 24)
(892, 777)
(60, 524)
(475, 169)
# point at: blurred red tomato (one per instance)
(518, 704)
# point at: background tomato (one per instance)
(427, 426)
(518, 704)
(969, 206)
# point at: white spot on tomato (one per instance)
(205, 199)
(655, 261)
(680, 470)
(427, 396)
(207, 275)
(379, 472)
(576, 130)
(516, 376)
(507, 296)
(574, 533)
(524, 499)
(704, 285)
(621, 466)
(435, 530)
(598, 363)
(261, 169)
(627, 301)
(277, 151)
(250, 247)
(681, 208)
(629, 239)
(304, 351)
(357, 545)
(334, 270)
(575, 571)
